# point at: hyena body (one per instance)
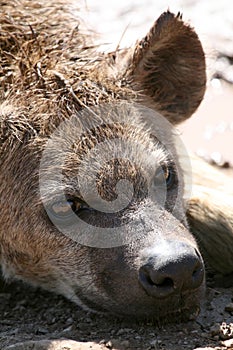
(50, 74)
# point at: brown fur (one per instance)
(210, 210)
(50, 71)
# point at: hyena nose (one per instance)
(166, 274)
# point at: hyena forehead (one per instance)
(90, 141)
(121, 130)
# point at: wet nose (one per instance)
(167, 273)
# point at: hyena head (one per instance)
(91, 186)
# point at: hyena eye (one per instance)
(62, 208)
(170, 177)
(66, 208)
(165, 175)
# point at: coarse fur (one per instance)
(51, 73)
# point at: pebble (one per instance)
(229, 307)
(125, 344)
(154, 342)
(215, 329)
(121, 331)
(109, 344)
(118, 344)
(226, 331)
(216, 337)
(69, 321)
(138, 337)
(67, 329)
(228, 343)
(42, 330)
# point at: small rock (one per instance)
(216, 337)
(154, 342)
(67, 329)
(228, 343)
(226, 331)
(128, 330)
(125, 344)
(41, 330)
(121, 331)
(215, 329)
(118, 344)
(204, 335)
(109, 344)
(229, 307)
(69, 321)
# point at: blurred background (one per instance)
(209, 132)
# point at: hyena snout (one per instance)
(171, 268)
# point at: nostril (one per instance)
(157, 279)
(167, 282)
(155, 283)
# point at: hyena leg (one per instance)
(210, 214)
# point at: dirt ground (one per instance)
(27, 314)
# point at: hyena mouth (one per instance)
(179, 308)
(89, 304)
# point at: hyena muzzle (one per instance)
(92, 190)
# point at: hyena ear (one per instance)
(167, 67)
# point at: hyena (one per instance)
(91, 185)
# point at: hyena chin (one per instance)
(92, 191)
